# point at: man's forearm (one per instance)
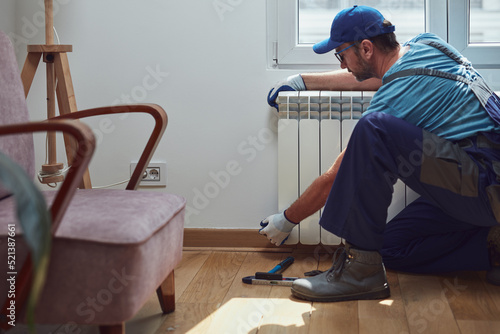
(310, 201)
(314, 197)
(339, 80)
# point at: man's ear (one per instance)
(366, 49)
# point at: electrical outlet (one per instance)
(151, 174)
(155, 174)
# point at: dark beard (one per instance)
(366, 72)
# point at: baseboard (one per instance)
(242, 239)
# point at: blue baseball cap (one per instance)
(353, 24)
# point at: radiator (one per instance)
(313, 128)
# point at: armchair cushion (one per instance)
(140, 215)
(130, 255)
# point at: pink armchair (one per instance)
(111, 249)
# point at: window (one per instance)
(301, 23)
(471, 26)
(474, 29)
(315, 17)
(484, 21)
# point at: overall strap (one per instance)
(433, 72)
(488, 99)
(444, 49)
(426, 71)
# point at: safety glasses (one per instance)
(338, 54)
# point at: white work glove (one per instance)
(292, 83)
(277, 228)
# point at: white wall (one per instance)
(210, 75)
(211, 78)
(8, 15)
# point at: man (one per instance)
(438, 135)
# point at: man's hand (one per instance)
(277, 228)
(292, 83)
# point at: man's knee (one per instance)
(387, 128)
(376, 126)
(378, 120)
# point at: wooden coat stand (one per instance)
(58, 82)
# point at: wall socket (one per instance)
(155, 174)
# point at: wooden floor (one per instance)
(211, 298)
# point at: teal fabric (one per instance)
(444, 107)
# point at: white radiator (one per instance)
(313, 128)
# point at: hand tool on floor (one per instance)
(275, 273)
(272, 277)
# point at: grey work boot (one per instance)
(355, 274)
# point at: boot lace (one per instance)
(340, 258)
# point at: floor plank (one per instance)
(189, 318)
(185, 272)
(427, 308)
(468, 297)
(479, 327)
(339, 317)
(491, 290)
(148, 320)
(213, 280)
(384, 316)
(238, 315)
(245, 304)
(472, 305)
(289, 315)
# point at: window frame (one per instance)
(482, 55)
(289, 51)
(446, 18)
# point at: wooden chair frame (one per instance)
(84, 137)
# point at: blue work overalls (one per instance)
(459, 183)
